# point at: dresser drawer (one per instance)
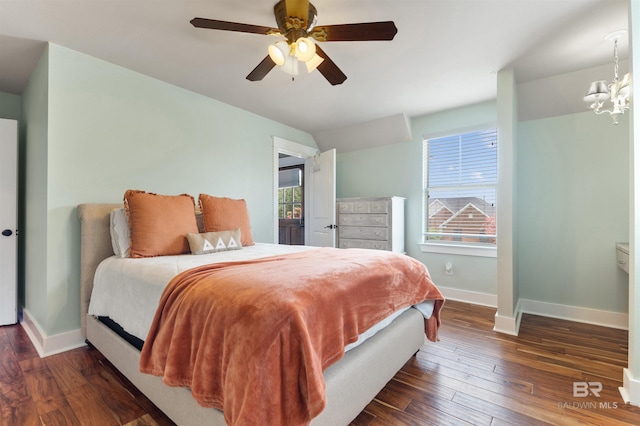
(371, 222)
(363, 232)
(363, 220)
(365, 244)
(373, 206)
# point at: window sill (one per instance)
(459, 249)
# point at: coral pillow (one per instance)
(159, 223)
(221, 214)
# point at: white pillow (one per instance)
(120, 234)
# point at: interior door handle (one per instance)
(7, 232)
(332, 226)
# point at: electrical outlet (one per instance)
(448, 268)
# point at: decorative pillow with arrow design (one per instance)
(211, 242)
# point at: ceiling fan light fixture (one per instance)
(296, 23)
(305, 49)
(279, 52)
(313, 63)
(290, 65)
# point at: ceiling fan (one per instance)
(296, 20)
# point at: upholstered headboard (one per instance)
(95, 246)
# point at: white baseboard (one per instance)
(575, 313)
(467, 296)
(50, 345)
(507, 325)
(510, 325)
(630, 390)
(503, 324)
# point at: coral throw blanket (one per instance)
(252, 338)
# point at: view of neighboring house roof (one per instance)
(436, 207)
(468, 209)
(466, 216)
(457, 204)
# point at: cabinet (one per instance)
(8, 220)
(373, 223)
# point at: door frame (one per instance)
(283, 146)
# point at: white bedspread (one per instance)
(128, 290)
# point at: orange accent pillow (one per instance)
(159, 223)
(223, 214)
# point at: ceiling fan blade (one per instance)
(261, 70)
(329, 69)
(298, 8)
(355, 32)
(214, 24)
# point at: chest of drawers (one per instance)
(373, 223)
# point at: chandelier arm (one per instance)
(615, 61)
(617, 92)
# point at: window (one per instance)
(290, 193)
(459, 189)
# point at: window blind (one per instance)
(460, 179)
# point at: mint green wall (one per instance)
(397, 170)
(93, 129)
(573, 202)
(111, 129)
(33, 181)
(574, 206)
(10, 106)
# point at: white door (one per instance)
(8, 220)
(320, 200)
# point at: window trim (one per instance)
(453, 247)
(460, 130)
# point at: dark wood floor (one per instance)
(472, 376)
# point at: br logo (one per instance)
(583, 389)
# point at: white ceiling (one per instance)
(445, 55)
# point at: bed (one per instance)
(351, 382)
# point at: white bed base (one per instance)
(351, 382)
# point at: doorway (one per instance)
(297, 154)
(319, 191)
(291, 201)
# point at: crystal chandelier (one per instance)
(617, 91)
